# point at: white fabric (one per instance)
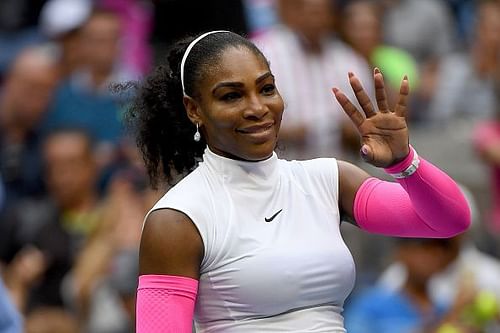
(305, 80)
(288, 275)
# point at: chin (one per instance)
(260, 153)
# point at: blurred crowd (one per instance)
(73, 189)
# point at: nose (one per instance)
(255, 108)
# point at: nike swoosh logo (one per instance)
(272, 217)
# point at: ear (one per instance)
(193, 110)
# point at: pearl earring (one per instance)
(197, 135)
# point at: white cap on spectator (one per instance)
(59, 17)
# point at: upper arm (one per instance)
(350, 179)
(171, 245)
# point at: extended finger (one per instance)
(380, 93)
(361, 96)
(404, 91)
(349, 108)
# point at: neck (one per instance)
(99, 76)
(417, 292)
(312, 46)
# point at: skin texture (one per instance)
(239, 109)
(240, 94)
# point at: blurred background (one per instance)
(73, 189)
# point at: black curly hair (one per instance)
(157, 115)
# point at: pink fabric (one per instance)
(425, 204)
(165, 303)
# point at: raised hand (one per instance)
(384, 134)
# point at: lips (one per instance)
(256, 128)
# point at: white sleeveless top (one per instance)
(291, 274)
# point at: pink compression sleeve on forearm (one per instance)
(165, 303)
(426, 204)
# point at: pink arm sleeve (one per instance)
(426, 204)
(165, 303)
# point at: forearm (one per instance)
(91, 266)
(427, 203)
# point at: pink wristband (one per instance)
(406, 167)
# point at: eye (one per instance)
(269, 89)
(230, 96)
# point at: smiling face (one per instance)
(238, 108)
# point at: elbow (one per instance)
(458, 222)
(460, 227)
(464, 223)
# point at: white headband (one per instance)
(188, 49)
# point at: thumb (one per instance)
(366, 153)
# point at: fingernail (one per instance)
(405, 78)
(364, 150)
(335, 90)
(351, 74)
(376, 70)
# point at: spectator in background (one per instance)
(60, 22)
(39, 239)
(425, 28)
(84, 99)
(103, 282)
(466, 265)
(464, 12)
(409, 308)
(306, 59)
(260, 16)
(10, 320)
(468, 276)
(466, 85)
(18, 29)
(51, 320)
(137, 23)
(486, 140)
(2, 194)
(361, 28)
(24, 100)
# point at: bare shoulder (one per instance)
(170, 244)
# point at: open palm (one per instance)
(384, 134)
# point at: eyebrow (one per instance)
(239, 84)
